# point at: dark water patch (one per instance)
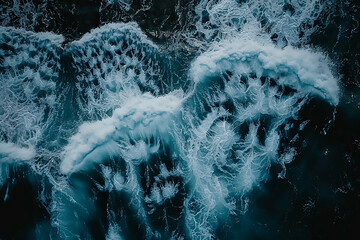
(161, 20)
(72, 19)
(24, 203)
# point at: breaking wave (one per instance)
(133, 149)
(221, 137)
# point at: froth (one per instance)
(300, 69)
(139, 118)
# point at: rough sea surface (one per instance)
(179, 119)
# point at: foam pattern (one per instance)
(115, 62)
(221, 137)
(130, 148)
(29, 73)
(287, 22)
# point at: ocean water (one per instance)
(186, 119)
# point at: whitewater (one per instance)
(126, 141)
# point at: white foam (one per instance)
(138, 118)
(297, 68)
(224, 18)
(30, 69)
(213, 133)
(10, 152)
(226, 164)
(115, 28)
(54, 38)
(113, 233)
(113, 62)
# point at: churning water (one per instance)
(193, 119)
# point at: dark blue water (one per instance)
(226, 119)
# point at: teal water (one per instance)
(179, 119)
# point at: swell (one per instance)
(130, 148)
(224, 134)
